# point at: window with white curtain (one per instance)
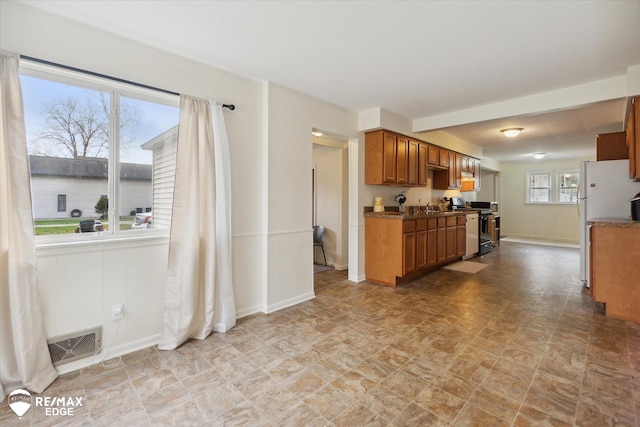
(108, 147)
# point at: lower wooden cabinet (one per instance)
(398, 250)
(614, 270)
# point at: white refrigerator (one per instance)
(604, 191)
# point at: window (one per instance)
(106, 150)
(539, 187)
(62, 202)
(568, 187)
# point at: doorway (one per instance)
(330, 173)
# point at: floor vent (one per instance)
(74, 346)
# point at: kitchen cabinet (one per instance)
(441, 241)
(423, 160)
(614, 271)
(408, 246)
(452, 238)
(476, 175)
(399, 249)
(611, 146)
(444, 157)
(633, 139)
(413, 162)
(421, 244)
(465, 164)
(433, 157)
(461, 236)
(402, 160)
(391, 159)
(394, 159)
(450, 178)
(432, 242)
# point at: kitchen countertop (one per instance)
(405, 215)
(614, 222)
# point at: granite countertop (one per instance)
(614, 222)
(406, 215)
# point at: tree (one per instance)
(102, 207)
(77, 125)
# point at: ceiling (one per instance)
(418, 59)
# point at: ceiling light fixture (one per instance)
(511, 132)
(539, 155)
(316, 134)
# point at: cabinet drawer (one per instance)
(421, 224)
(432, 223)
(442, 222)
(408, 225)
(462, 219)
(452, 221)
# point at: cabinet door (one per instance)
(434, 156)
(402, 157)
(412, 158)
(454, 175)
(423, 156)
(461, 240)
(444, 157)
(432, 247)
(421, 249)
(389, 157)
(458, 170)
(465, 164)
(409, 252)
(476, 175)
(441, 243)
(451, 243)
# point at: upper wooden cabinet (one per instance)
(423, 156)
(611, 146)
(633, 139)
(476, 175)
(394, 159)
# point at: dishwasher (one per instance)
(473, 234)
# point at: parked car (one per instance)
(142, 220)
(90, 225)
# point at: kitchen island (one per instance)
(400, 247)
(615, 268)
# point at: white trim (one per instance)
(290, 302)
(280, 233)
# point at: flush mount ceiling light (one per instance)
(316, 134)
(511, 132)
(539, 155)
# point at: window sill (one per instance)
(91, 242)
(573, 204)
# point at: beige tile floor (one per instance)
(520, 343)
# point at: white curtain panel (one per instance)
(24, 357)
(199, 296)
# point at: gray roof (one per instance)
(85, 167)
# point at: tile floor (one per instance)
(520, 343)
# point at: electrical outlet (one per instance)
(117, 312)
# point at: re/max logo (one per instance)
(58, 401)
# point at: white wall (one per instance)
(548, 222)
(290, 118)
(269, 136)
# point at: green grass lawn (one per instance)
(69, 225)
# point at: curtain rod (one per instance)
(104, 76)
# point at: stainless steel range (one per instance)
(485, 236)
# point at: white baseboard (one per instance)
(290, 302)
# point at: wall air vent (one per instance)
(74, 346)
